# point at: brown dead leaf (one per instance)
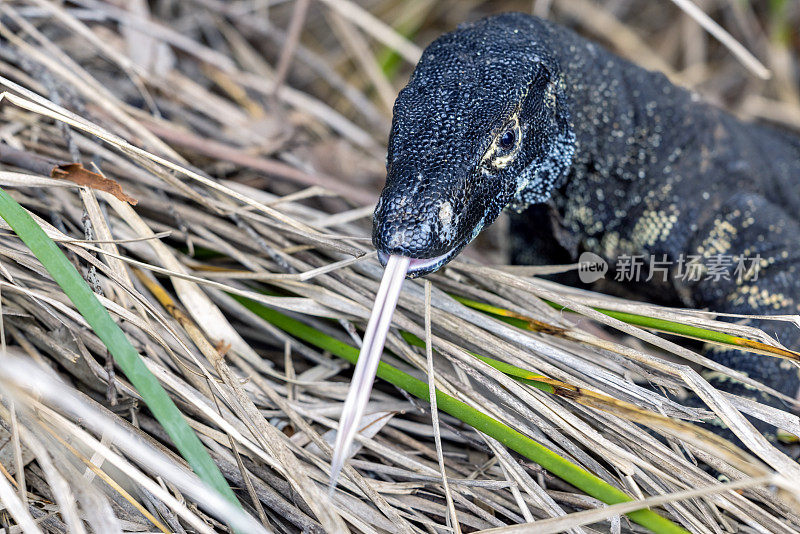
(76, 173)
(222, 347)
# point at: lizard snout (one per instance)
(407, 227)
(422, 229)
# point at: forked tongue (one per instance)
(368, 358)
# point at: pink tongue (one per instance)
(416, 264)
(371, 349)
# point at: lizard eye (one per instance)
(507, 139)
(504, 148)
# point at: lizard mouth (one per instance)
(422, 266)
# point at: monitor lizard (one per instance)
(589, 152)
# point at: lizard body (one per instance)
(590, 152)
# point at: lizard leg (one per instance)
(765, 238)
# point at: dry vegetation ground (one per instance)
(250, 135)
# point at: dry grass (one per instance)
(254, 147)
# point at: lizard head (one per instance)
(483, 125)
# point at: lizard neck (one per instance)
(626, 119)
(630, 127)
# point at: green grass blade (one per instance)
(390, 61)
(564, 469)
(76, 288)
(505, 368)
(651, 323)
(696, 332)
(663, 325)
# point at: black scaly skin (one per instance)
(625, 162)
